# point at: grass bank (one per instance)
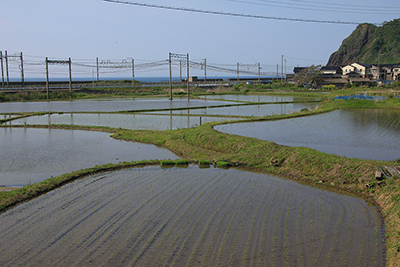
(204, 144)
(297, 163)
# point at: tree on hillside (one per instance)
(309, 76)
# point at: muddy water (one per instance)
(191, 217)
(125, 121)
(32, 155)
(104, 105)
(365, 134)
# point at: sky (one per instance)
(84, 30)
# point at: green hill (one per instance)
(364, 44)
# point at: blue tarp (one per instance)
(361, 96)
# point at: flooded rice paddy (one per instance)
(32, 155)
(124, 121)
(107, 105)
(190, 217)
(250, 110)
(256, 98)
(365, 134)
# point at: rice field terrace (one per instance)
(96, 212)
(105, 105)
(125, 121)
(365, 134)
(191, 217)
(34, 155)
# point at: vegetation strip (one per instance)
(297, 163)
(12, 198)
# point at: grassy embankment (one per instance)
(298, 163)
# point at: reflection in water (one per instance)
(189, 217)
(366, 134)
(122, 104)
(125, 121)
(37, 154)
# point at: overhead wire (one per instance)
(234, 14)
(342, 9)
(86, 67)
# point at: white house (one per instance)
(357, 70)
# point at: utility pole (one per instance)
(187, 58)
(285, 71)
(170, 77)
(259, 71)
(237, 71)
(133, 73)
(70, 75)
(205, 70)
(277, 72)
(2, 71)
(282, 69)
(8, 78)
(97, 67)
(180, 70)
(22, 71)
(47, 78)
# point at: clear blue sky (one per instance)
(86, 29)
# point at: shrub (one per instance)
(223, 164)
(167, 163)
(347, 85)
(396, 84)
(329, 87)
(181, 162)
(204, 162)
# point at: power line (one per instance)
(346, 5)
(324, 8)
(233, 14)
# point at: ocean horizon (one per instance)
(141, 79)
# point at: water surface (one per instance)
(365, 134)
(256, 98)
(32, 155)
(108, 105)
(191, 217)
(124, 121)
(250, 110)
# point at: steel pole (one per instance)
(8, 78)
(188, 93)
(47, 78)
(70, 75)
(170, 77)
(2, 71)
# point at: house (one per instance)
(332, 70)
(386, 72)
(298, 70)
(357, 69)
(396, 72)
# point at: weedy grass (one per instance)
(297, 163)
(204, 162)
(167, 163)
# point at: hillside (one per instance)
(365, 42)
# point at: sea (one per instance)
(141, 79)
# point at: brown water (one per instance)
(31, 155)
(191, 217)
